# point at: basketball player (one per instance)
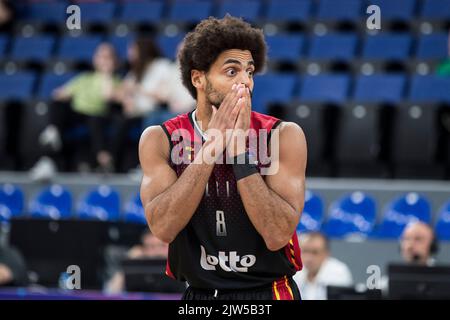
(230, 229)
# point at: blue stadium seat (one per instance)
(407, 208)
(332, 10)
(47, 12)
(272, 88)
(285, 47)
(436, 9)
(387, 46)
(442, 228)
(432, 46)
(325, 88)
(38, 48)
(53, 202)
(354, 213)
(17, 86)
(101, 203)
(337, 46)
(189, 10)
(431, 88)
(141, 11)
(312, 215)
(51, 81)
(169, 45)
(289, 10)
(380, 88)
(97, 12)
(247, 9)
(80, 49)
(395, 10)
(121, 45)
(134, 211)
(11, 202)
(3, 44)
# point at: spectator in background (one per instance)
(13, 271)
(7, 14)
(418, 244)
(151, 247)
(83, 100)
(444, 67)
(151, 92)
(319, 268)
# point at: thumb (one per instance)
(214, 110)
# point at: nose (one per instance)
(245, 79)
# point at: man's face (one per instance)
(415, 243)
(231, 67)
(314, 253)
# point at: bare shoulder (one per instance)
(292, 132)
(153, 139)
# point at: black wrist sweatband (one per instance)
(243, 166)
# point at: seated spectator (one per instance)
(319, 268)
(151, 93)
(151, 247)
(418, 244)
(444, 67)
(83, 100)
(13, 271)
(7, 13)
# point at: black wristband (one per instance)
(243, 166)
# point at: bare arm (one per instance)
(274, 206)
(6, 275)
(169, 202)
(61, 94)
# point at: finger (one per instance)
(240, 92)
(214, 111)
(225, 105)
(237, 109)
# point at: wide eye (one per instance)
(250, 72)
(231, 72)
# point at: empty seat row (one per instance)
(355, 214)
(282, 47)
(274, 10)
(56, 202)
(340, 89)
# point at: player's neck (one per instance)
(203, 115)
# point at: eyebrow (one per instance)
(250, 63)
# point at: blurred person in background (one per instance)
(319, 268)
(83, 100)
(151, 247)
(13, 271)
(418, 244)
(151, 92)
(7, 13)
(444, 67)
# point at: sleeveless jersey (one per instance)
(220, 248)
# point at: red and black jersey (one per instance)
(220, 248)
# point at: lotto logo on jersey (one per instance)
(228, 262)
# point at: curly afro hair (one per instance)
(210, 38)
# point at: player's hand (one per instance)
(224, 118)
(237, 144)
